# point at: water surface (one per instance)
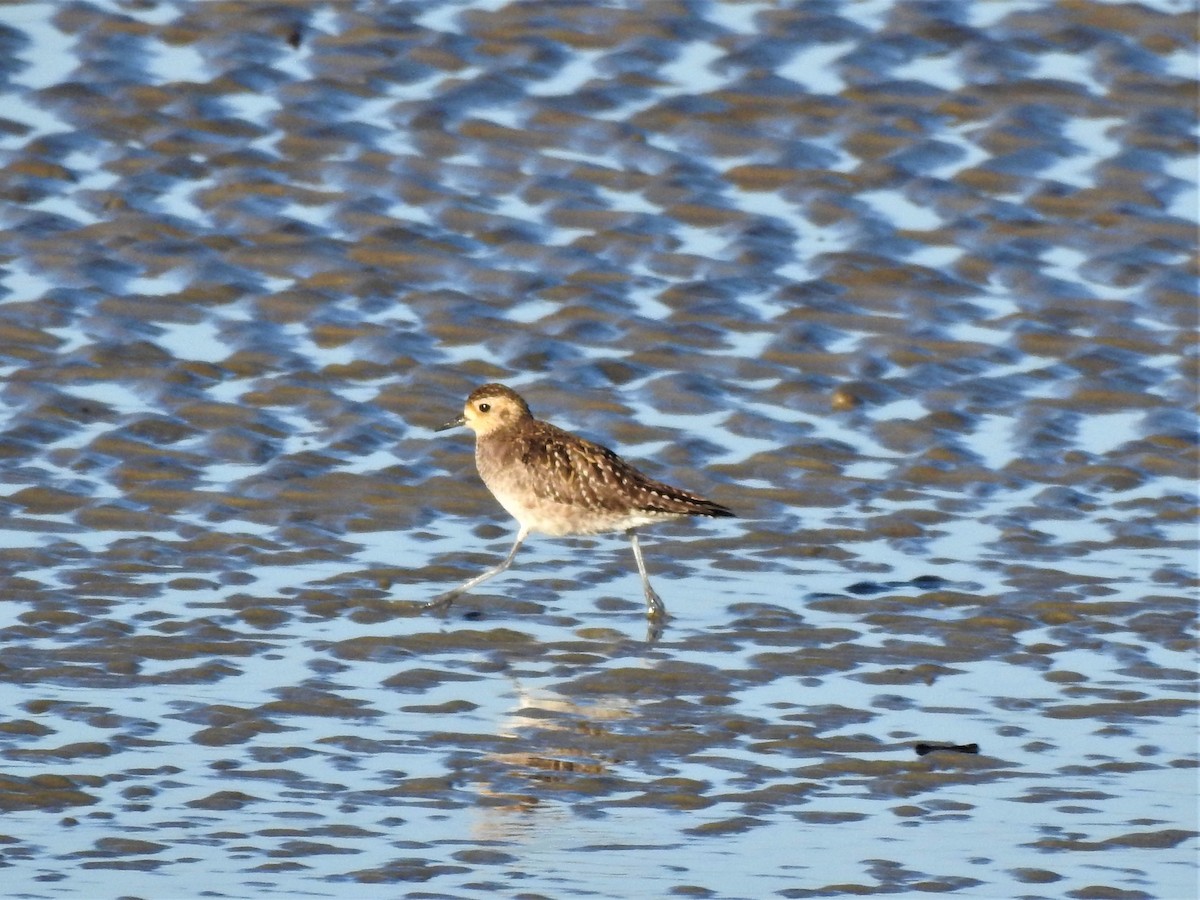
(911, 286)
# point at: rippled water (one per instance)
(911, 286)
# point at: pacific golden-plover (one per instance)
(556, 483)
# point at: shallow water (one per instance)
(910, 286)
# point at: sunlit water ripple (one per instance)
(910, 286)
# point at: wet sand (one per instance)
(910, 286)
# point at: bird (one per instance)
(559, 484)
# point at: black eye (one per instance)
(484, 407)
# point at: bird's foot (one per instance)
(656, 610)
(441, 603)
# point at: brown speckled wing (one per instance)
(563, 468)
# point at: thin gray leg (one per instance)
(442, 601)
(654, 605)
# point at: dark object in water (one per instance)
(923, 748)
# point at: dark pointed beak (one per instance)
(453, 423)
